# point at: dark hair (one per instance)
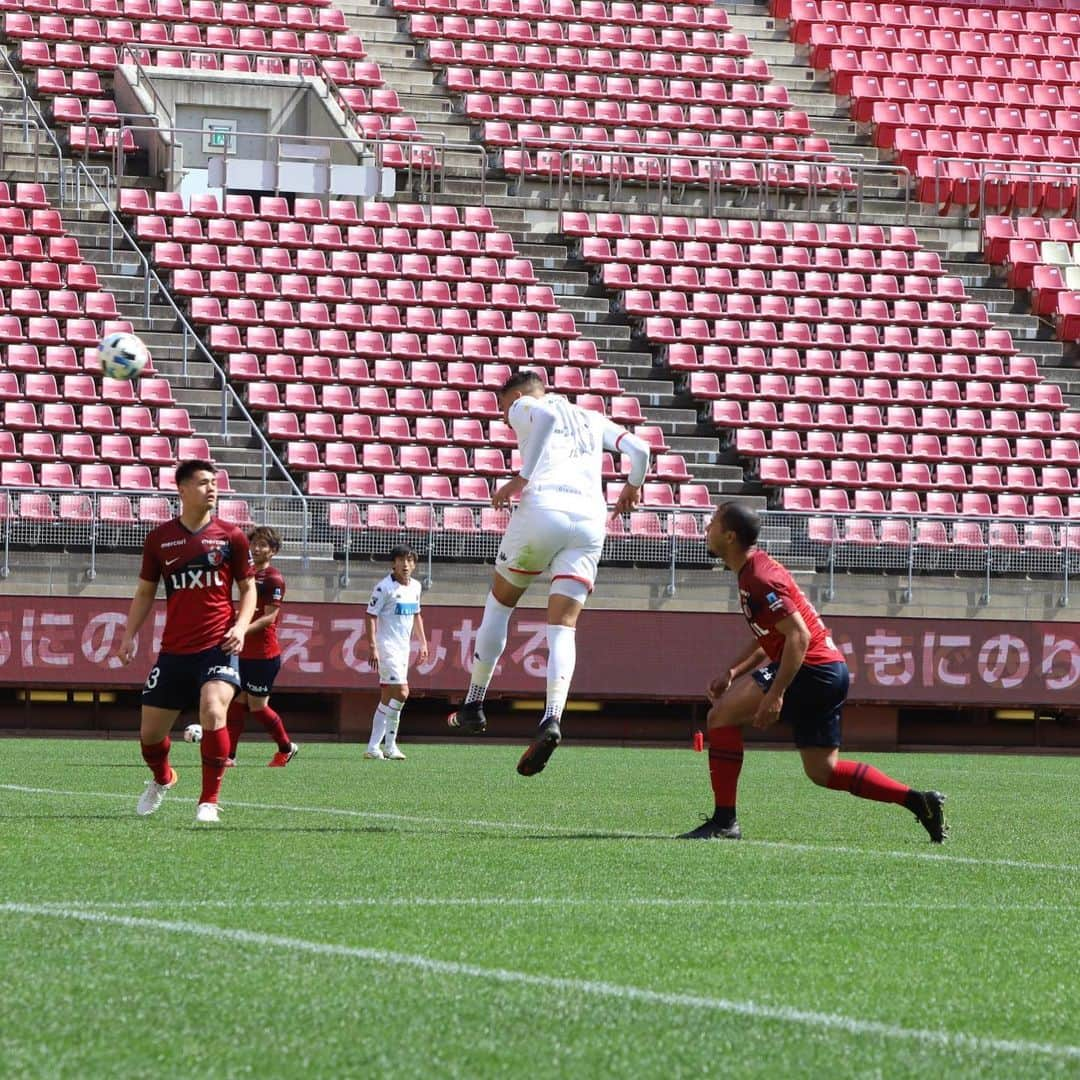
(742, 521)
(402, 551)
(267, 533)
(522, 380)
(187, 469)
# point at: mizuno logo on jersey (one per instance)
(196, 578)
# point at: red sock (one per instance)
(215, 745)
(725, 764)
(234, 724)
(156, 755)
(275, 728)
(866, 782)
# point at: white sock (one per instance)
(393, 718)
(378, 727)
(562, 656)
(490, 642)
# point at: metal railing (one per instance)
(151, 282)
(664, 541)
(990, 171)
(659, 172)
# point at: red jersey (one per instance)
(199, 570)
(269, 589)
(767, 594)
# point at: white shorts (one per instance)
(393, 668)
(540, 537)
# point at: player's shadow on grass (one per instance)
(344, 829)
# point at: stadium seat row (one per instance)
(987, 18)
(943, 503)
(84, 389)
(915, 447)
(851, 362)
(96, 419)
(80, 448)
(685, 16)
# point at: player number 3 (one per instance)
(152, 678)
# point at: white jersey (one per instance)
(562, 448)
(396, 606)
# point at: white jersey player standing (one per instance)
(560, 523)
(392, 614)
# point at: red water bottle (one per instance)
(699, 741)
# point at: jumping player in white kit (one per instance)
(560, 523)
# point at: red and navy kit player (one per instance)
(199, 559)
(798, 676)
(260, 659)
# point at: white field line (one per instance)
(951, 1040)
(583, 831)
(660, 902)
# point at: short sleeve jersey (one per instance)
(569, 474)
(767, 594)
(396, 606)
(199, 569)
(269, 591)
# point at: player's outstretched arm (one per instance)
(233, 641)
(141, 603)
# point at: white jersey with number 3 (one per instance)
(568, 475)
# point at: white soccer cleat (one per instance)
(392, 753)
(207, 813)
(373, 754)
(152, 797)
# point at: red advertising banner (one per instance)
(46, 641)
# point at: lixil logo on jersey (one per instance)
(196, 578)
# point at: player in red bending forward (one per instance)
(260, 659)
(804, 683)
(199, 558)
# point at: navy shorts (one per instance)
(257, 676)
(813, 701)
(176, 679)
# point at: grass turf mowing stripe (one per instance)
(660, 902)
(783, 845)
(956, 1040)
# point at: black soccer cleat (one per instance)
(541, 748)
(469, 719)
(930, 810)
(711, 829)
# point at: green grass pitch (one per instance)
(443, 917)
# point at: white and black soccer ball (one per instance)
(123, 356)
(193, 733)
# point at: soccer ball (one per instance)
(193, 733)
(123, 356)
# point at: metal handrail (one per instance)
(229, 395)
(565, 152)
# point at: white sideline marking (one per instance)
(783, 845)
(550, 901)
(781, 1013)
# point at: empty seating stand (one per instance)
(979, 101)
(593, 88)
(1042, 255)
(847, 369)
(69, 50)
(372, 340)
